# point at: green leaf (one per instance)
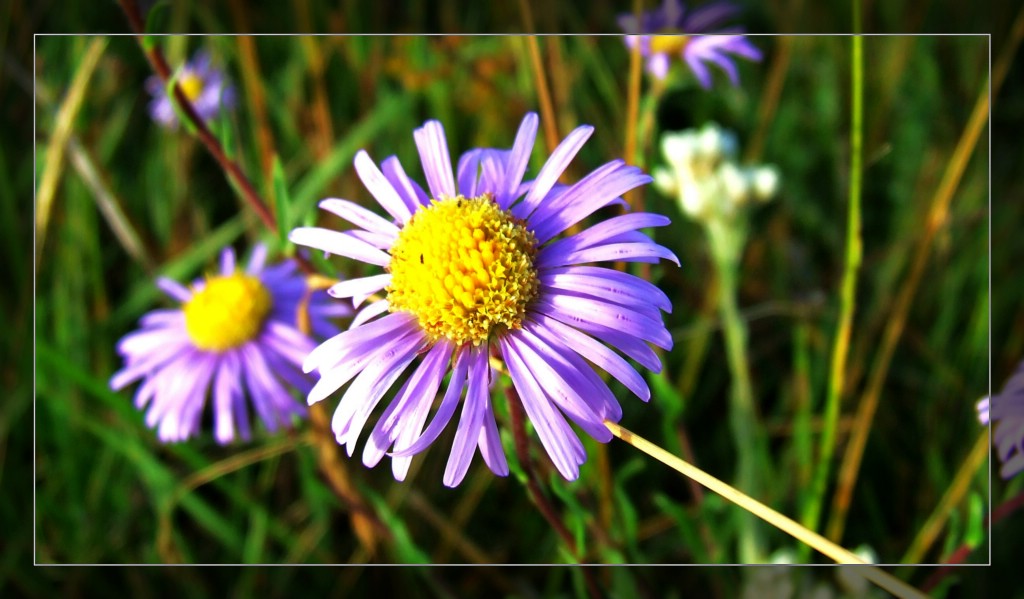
(405, 548)
(281, 203)
(975, 533)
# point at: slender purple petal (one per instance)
(257, 259)
(360, 286)
(410, 406)
(381, 189)
(552, 170)
(519, 159)
(468, 172)
(473, 409)
(411, 193)
(560, 442)
(174, 289)
(490, 443)
(227, 261)
(608, 229)
(571, 310)
(367, 390)
(357, 215)
(445, 410)
(557, 388)
(437, 163)
(620, 287)
(614, 252)
(598, 353)
(338, 243)
(394, 324)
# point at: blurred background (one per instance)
(130, 200)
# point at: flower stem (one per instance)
(789, 526)
(847, 300)
(727, 239)
(515, 411)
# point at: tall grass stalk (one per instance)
(847, 300)
(756, 508)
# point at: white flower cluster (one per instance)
(704, 176)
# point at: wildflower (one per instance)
(1005, 411)
(234, 330)
(705, 178)
(671, 30)
(474, 273)
(205, 86)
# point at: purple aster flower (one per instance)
(205, 86)
(1006, 412)
(475, 274)
(681, 28)
(234, 331)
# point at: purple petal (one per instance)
(473, 409)
(437, 163)
(225, 387)
(408, 410)
(519, 159)
(596, 352)
(369, 312)
(490, 443)
(174, 289)
(607, 229)
(574, 310)
(335, 242)
(620, 287)
(705, 18)
(357, 215)
(593, 192)
(363, 287)
(340, 346)
(380, 187)
(614, 252)
(257, 259)
(469, 165)
(445, 410)
(558, 439)
(658, 65)
(227, 261)
(553, 377)
(357, 359)
(367, 390)
(552, 170)
(410, 191)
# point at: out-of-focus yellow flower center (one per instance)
(192, 86)
(227, 312)
(463, 266)
(668, 44)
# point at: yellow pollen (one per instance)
(227, 312)
(463, 267)
(668, 44)
(191, 85)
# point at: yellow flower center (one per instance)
(668, 44)
(227, 312)
(463, 267)
(192, 86)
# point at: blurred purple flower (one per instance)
(682, 37)
(475, 273)
(235, 331)
(1006, 413)
(205, 86)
